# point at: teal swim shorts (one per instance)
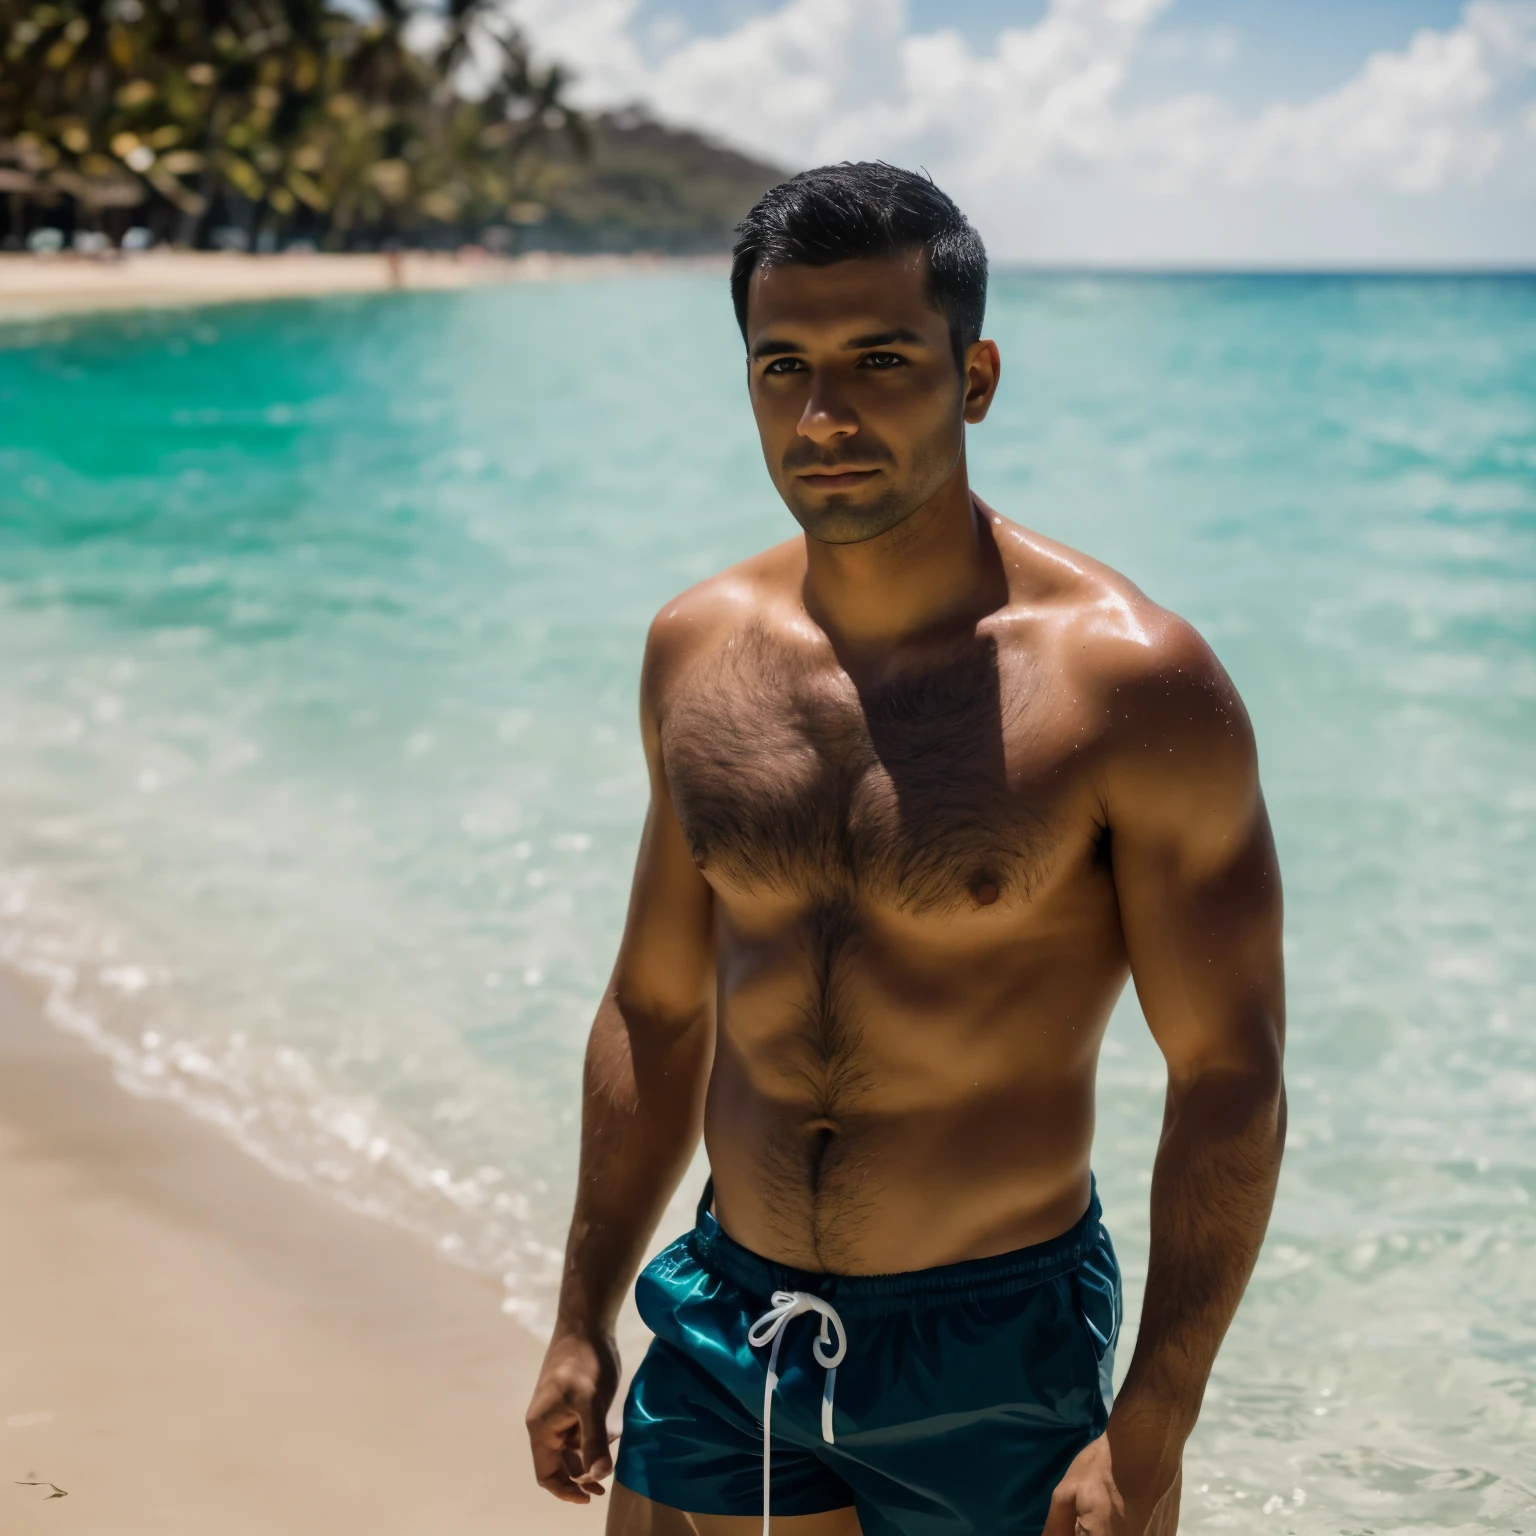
(946, 1402)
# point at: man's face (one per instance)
(859, 405)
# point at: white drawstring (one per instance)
(769, 1328)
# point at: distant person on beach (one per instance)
(926, 787)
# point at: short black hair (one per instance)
(867, 208)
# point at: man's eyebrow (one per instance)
(897, 336)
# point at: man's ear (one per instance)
(983, 370)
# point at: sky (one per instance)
(1116, 132)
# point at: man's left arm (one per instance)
(1198, 887)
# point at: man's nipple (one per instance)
(984, 890)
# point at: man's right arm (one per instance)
(647, 1066)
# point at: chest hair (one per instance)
(788, 778)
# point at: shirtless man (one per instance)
(925, 788)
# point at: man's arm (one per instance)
(1198, 887)
(647, 1065)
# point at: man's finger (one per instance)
(559, 1484)
(557, 1470)
(597, 1463)
(1062, 1520)
(552, 1437)
(549, 1467)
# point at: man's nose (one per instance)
(826, 416)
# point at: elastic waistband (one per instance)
(1004, 1274)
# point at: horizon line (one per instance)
(1198, 268)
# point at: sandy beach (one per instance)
(194, 1345)
(34, 287)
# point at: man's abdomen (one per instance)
(906, 1174)
(893, 1090)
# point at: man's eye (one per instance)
(784, 365)
(881, 360)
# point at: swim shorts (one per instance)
(944, 1402)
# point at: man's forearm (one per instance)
(1212, 1189)
(642, 1107)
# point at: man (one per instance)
(925, 788)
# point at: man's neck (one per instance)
(936, 568)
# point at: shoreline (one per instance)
(40, 288)
(200, 1345)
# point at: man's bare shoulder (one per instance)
(700, 621)
(1135, 663)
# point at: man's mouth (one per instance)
(837, 479)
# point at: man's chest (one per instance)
(944, 788)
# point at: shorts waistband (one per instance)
(1003, 1274)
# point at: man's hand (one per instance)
(568, 1417)
(1089, 1502)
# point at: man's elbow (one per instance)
(662, 1017)
(1242, 1094)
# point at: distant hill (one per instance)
(644, 186)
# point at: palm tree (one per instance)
(294, 111)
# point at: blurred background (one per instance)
(321, 618)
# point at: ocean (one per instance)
(320, 782)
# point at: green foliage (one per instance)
(297, 114)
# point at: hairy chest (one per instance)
(929, 792)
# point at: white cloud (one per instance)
(1038, 140)
(1414, 120)
(595, 37)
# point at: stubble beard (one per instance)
(837, 521)
(840, 519)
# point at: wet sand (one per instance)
(33, 287)
(194, 1345)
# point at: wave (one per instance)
(272, 1099)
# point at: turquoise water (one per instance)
(319, 781)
